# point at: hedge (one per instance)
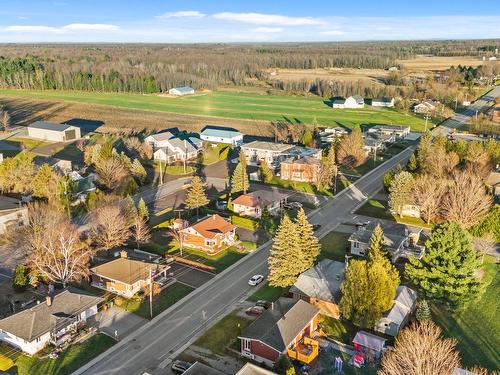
(244, 222)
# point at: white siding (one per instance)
(27, 347)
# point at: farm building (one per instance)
(383, 102)
(48, 131)
(355, 101)
(395, 319)
(222, 135)
(181, 91)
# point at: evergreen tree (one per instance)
(400, 191)
(423, 311)
(307, 138)
(239, 179)
(20, 279)
(329, 169)
(265, 172)
(46, 183)
(230, 204)
(307, 242)
(412, 163)
(424, 150)
(196, 196)
(376, 246)
(138, 171)
(447, 273)
(142, 209)
(285, 258)
(388, 178)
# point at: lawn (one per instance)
(69, 360)
(340, 330)
(326, 359)
(237, 105)
(163, 301)
(301, 187)
(219, 261)
(215, 154)
(267, 293)
(174, 169)
(223, 333)
(334, 246)
(477, 328)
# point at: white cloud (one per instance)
(22, 18)
(332, 32)
(91, 27)
(268, 19)
(182, 14)
(268, 30)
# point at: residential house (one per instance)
(125, 276)
(53, 321)
(181, 91)
(211, 234)
(372, 346)
(252, 204)
(330, 135)
(320, 286)
(306, 169)
(427, 106)
(383, 102)
(168, 147)
(12, 214)
(397, 131)
(495, 115)
(199, 368)
(82, 186)
(286, 328)
(399, 239)
(493, 183)
(217, 134)
(374, 143)
(355, 101)
(274, 153)
(60, 166)
(48, 131)
(251, 369)
(397, 317)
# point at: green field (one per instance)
(237, 105)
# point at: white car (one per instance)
(255, 280)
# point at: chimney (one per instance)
(123, 254)
(213, 216)
(48, 299)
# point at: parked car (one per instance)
(255, 280)
(254, 310)
(179, 367)
(262, 303)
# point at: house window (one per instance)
(355, 245)
(246, 345)
(210, 242)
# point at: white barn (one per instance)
(352, 102)
(48, 131)
(181, 91)
(222, 135)
(383, 102)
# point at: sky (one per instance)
(195, 21)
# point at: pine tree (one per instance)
(142, 209)
(239, 179)
(285, 257)
(308, 243)
(45, 183)
(138, 171)
(307, 138)
(20, 279)
(423, 311)
(447, 273)
(265, 172)
(424, 150)
(412, 163)
(376, 246)
(196, 196)
(400, 191)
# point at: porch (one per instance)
(305, 351)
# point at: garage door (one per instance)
(70, 135)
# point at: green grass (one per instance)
(176, 170)
(215, 154)
(163, 301)
(69, 360)
(326, 362)
(219, 261)
(223, 333)
(340, 330)
(267, 293)
(334, 246)
(477, 328)
(301, 187)
(237, 105)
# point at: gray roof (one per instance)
(183, 89)
(394, 233)
(49, 126)
(303, 160)
(339, 101)
(221, 133)
(369, 340)
(382, 100)
(34, 322)
(8, 203)
(163, 136)
(394, 128)
(199, 368)
(403, 304)
(359, 99)
(461, 371)
(268, 146)
(278, 326)
(251, 369)
(323, 281)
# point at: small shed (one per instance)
(181, 91)
(395, 319)
(369, 344)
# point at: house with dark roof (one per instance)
(288, 327)
(211, 234)
(219, 134)
(252, 204)
(169, 147)
(126, 276)
(274, 153)
(400, 240)
(49, 131)
(320, 286)
(13, 215)
(399, 314)
(181, 91)
(306, 169)
(53, 321)
(383, 102)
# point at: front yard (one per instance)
(334, 246)
(68, 361)
(267, 293)
(219, 261)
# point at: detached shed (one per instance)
(368, 343)
(49, 131)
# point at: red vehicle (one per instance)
(254, 310)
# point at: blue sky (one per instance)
(178, 21)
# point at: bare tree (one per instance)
(140, 231)
(421, 350)
(466, 200)
(4, 119)
(427, 194)
(350, 151)
(110, 226)
(177, 239)
(111, 172)
(440, 163)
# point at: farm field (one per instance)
(425, 63)
(340, 74)
(237, 106)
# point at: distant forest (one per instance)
(154, 68)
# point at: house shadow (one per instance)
(86, 126)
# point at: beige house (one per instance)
(12, 214)
(252, 204)
(48, 131)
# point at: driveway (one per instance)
(116, 319)
(189, 276)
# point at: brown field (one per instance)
(427, 63)
(108, 119)
(338, 74)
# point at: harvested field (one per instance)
(337, 74)
(429, 63)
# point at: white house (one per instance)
(274, 153)
(222, 135)
(181, 91)
(330, 135)
(395, 319)
(48, 131)
(53, 321)
(427, 106)
(169, 147)
(398, 131)
(383, 102)
(355, 101)
(12, 214)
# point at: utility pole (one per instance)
(426, 119)
(161, 172)
(151, 293)
(336, 172)
(185, 155)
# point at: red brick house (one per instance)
(211, 234)
(306, 169)
(286, 328)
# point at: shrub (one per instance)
(244, 222)
(20, 279)
(119, 301)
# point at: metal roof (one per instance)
(49, 126)
(221, 133)
(183, 89)
(369, 340)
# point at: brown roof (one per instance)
(125, 270)
(260, 198)
(212, 226)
